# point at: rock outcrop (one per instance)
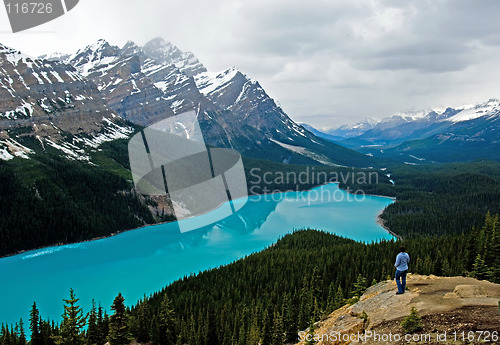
(445, 304)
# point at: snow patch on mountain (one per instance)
(352, 130)
(78, 148)
(24, 110)
(477, 111)
(305, 152)
(98, 53)
(208, 82)
(10, 148)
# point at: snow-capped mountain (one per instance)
(348, 131)
(463, 133)
(473, 133)
(471, 112)
(146, 84)
(466, 132)
(321, 134)
(166, 53)
(52, 102)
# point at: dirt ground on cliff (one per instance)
(465, 325)
(454, 310)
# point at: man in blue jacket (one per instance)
(402, 260)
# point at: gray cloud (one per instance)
(434, 56)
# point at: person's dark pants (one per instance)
(401, 280)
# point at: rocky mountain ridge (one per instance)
(465, 133)
(54, 103)
(145, 84)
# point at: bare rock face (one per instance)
(53, 102)
(444, 303)
(47, 94)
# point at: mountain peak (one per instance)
(130, 44)
(100, 52)
(98, 45)
(209, 82)
(473, 112)
(158, 41)
(11, 54)
(164, 52)
(161, 50)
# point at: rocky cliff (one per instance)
(464, 308)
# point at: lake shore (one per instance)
(378, 220)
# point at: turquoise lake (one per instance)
(143, 261)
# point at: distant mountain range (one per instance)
(76, 101)
(465, 133)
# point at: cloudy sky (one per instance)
(325, 62)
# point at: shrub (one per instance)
(412, 323)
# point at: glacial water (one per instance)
(142, 261)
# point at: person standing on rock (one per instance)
(402, 260)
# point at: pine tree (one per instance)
(312, 328)
(242, 322)
(428, 265)
(316, 291)
(211, 337)
(155, 336)
(73, 322)
(492, 255)
(330, 299)
(289, 319)
(118, 327)
(446, 270)
(278, 335)
(93, 329)
(35, 326)
(305, 305)
(339, 298)
(479, 269)
(166, 325)
(22, 336)
(254, 331)
(102, 326)
(5, 338)
(192, 339)
(266, 329)
(412, 323)
(359, 286)
(47, 331)
(144, 320)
